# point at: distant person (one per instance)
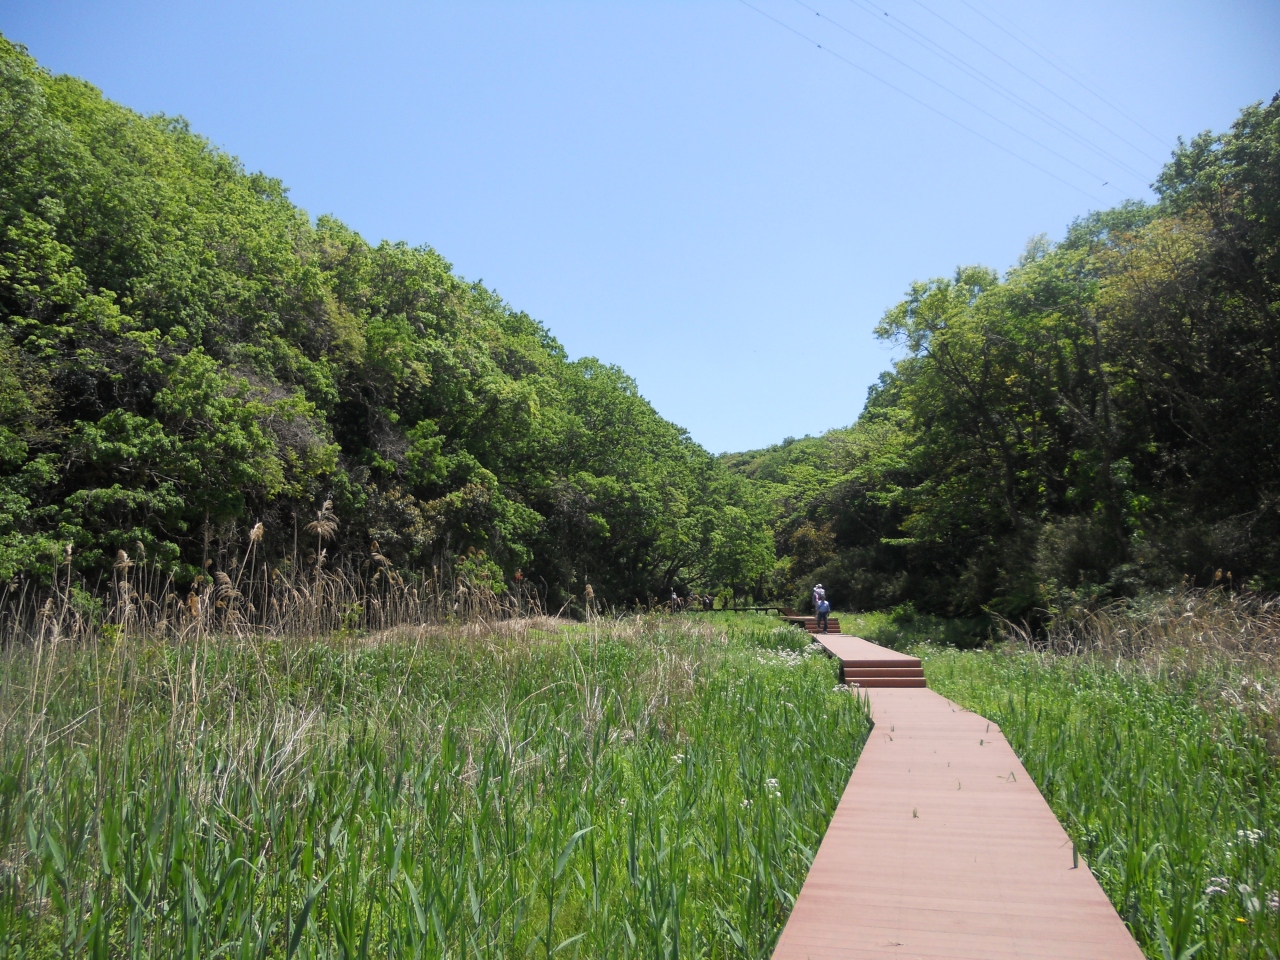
(824, 611)
(818, 596)
(675, 601)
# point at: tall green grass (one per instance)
(1164, 773)
(644, 788)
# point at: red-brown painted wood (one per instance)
(868, 683)
(856, 652)
(942, 847)
(811, 624)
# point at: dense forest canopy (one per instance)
(184, 354)
(1102, 420)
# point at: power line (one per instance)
(1036, 82)
(927, 106)
(959, 97)
(932, 46)
(1065, 73)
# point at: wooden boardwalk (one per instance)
(866, 664)
(942, 847)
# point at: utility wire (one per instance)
(1036, 82)
(927, 106)
(1069, 76)
(930, 45)
(962, 99)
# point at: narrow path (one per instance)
(942, 847)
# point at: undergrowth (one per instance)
(902, 626)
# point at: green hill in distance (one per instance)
(1102, 420)
(184, 353)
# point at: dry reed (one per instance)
(253, 597)
(1192, 626)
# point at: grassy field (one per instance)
(646, 788)
(650, 787)
(1165, 774)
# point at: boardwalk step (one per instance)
(886, 681)
(896, 662)
(885, 671)
(811, 624)
(867, 665)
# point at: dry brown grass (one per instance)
(1196, 626)
(252, 598)
(1224, 643)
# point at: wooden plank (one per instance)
(942, 847)
(854, 651)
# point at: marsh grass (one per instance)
(1212, 627)
(1151, 730)
(242, 593)
(650, 787)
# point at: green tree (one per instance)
(186, 353)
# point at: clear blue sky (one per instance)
(689, 189)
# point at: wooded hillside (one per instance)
(1103, 419)
(184, 354)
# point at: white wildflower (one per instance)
(1217, 885)
(1247, 899)
(678, 757)
(771, 783)
(1250, 837)
(746, 803)
(1273, 901)
(785, 658)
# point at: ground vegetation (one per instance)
(650, 788)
